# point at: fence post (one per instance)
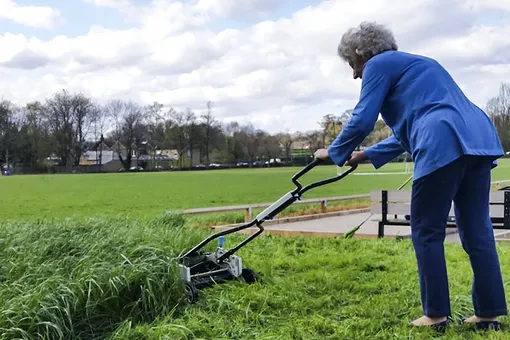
(247, 214)
(324, 206)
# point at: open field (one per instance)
(115, 279)
(150, 194)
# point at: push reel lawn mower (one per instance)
(199, 269)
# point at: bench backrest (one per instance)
(394, 202)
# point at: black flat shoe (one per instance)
(484, 325)
(440, 326)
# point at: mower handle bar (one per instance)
(272, 210)
(299, 187)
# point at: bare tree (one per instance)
(100, 123)
(315, 140)
(114, 111)
(192, 132)
(346, 116)
(176, 133)
(8, 132)
(498, 109)
(250, 141)
(269, 146)
(286, 140)
(381, 131)
(33, 139)
(69, 117)
(233, 142)
(128, 121)
(209, 123)
(83, 114)
(154, 127)
(100, 120)
(58, 111)
(331, 126)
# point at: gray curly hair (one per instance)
(366, 41)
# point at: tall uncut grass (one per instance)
(116, 279)
(73, 279)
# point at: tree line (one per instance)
(61, 129)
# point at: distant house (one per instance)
(300, 145)
(105, 154)
(170, 153)
(108, 156)
(121, 149)
(98, 157)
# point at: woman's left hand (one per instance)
(321, 154)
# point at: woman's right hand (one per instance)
(356, 158)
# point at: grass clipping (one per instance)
(69, 279)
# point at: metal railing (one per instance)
(248, 208)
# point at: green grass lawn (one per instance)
(116, 279)
(149, 194)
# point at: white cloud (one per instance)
(280, 75)
(238, 8)
(488, 4)
(43, 17)
(109, 3)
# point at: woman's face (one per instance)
(357, 67)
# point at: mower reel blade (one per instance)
(203, 270)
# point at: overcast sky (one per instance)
(269, 62)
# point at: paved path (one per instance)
(332, 226)
(339, 225)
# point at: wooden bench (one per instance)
(394, 208)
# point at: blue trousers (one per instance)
(466, 182)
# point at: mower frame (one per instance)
(198, 269)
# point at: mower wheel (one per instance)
(192, 292)
(248, 275)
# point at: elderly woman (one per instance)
(454, 146)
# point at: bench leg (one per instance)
(380, 232)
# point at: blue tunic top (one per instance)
(429, 115)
